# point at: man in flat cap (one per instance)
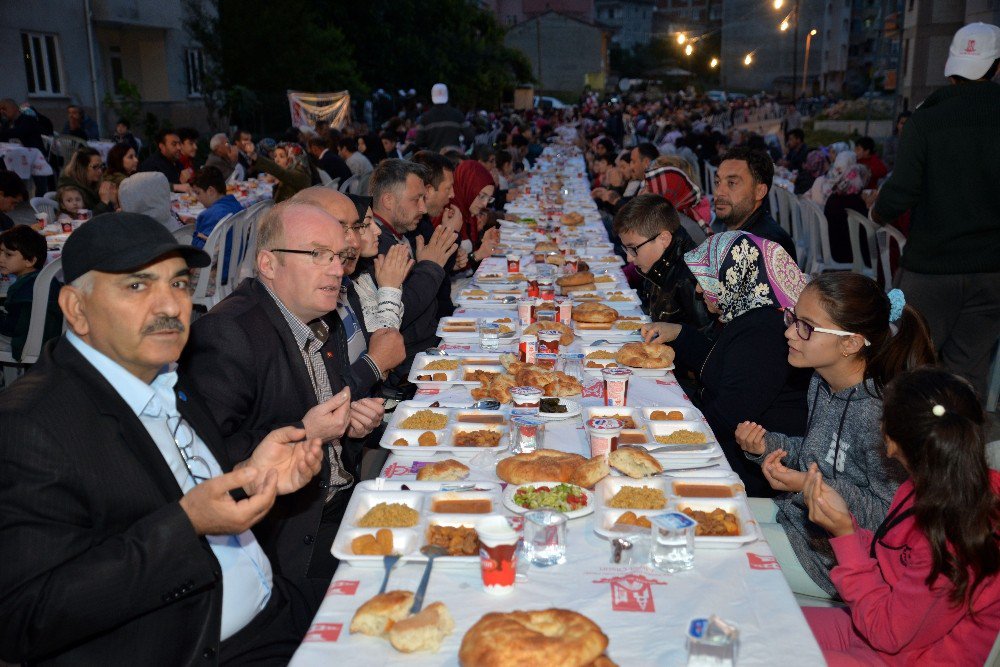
(124, 528)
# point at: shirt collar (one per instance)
(301, 331)
(140, 396)
(384, 224)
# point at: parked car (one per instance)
(716, 95)
(549, 103)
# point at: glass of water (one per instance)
(571, 364)
(489, 335)
(672, 546)
(545, 537)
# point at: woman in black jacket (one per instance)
(746, 281)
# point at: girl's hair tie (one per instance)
(896, 303)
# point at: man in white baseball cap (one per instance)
(946, 175)
(974, 50)
(443, 126)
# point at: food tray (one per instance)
(609, 486)
(469, 331)
(614, 347)
(466, 361)
(591, 412)
(667, 427)
(725, 481)
(444, 438)
(611, 333)
(690, 414)
(482, 298)
(407, 541)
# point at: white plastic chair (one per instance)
(885, 237)
(64, 145)
(775, 205)
(859, 224)
(36, 324)
(247, 266)
(993, 388)
(788, 214)
(324, 178)
(46, 205)
(209, 288)
(360, 186)
(334, 183)
(818, 231)
(347, 185)
(184, 234)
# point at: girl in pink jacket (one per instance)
(923, 589)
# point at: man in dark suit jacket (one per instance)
(121, 520)
(270, 354)
(328, 160)
(398, 202)
(166, 160)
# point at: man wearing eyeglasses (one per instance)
(273, 353)
(123, 518)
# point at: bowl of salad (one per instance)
(573, 501)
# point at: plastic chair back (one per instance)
(860, 226)
(39, 309)
(208, 288)
(184, 234)
(46, 205)
(885, 237)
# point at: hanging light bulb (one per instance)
(714, 63)
(813, 32)
(748, 59)
(681, 38)
(784, 25)
(778, 3)
(688, 50)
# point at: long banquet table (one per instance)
(643, 611)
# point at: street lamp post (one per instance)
(795, 48)
(805, 68)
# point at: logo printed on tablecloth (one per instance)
(758, 562)
(400, 470)
(343, 587)
(428, 392)
(594, 389)
(324, 632)
(632, 592)
(668, 383)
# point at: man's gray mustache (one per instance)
(164, 324)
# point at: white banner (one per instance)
(310, 108)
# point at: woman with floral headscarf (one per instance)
(746, 281)
(845, 193)
(287, 164)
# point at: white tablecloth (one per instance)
(644, 612)
(25, 162)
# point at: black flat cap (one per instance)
(119, 242)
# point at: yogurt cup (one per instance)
(548, 341)
(526, 400)
(616, 386)
(526, 311)
(603, 433)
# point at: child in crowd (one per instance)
(923, 588)
(210, 190)
(12, 193)
(841, 327)
(22, 254)
(70, 200)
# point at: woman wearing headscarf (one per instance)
(288, 165)
(746, 282)
(85, 172)
(474, 188)
(845, 186)
(370, 146)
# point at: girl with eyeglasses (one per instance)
(922, 588)
(857, 339)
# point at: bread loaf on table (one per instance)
(543, 465)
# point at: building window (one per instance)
(117, 71)
(195, 69)
(42, 66)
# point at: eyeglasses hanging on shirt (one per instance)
(183, 437)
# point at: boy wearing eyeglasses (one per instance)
(650, 231)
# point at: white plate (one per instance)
(508, 499)
(573, 409)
